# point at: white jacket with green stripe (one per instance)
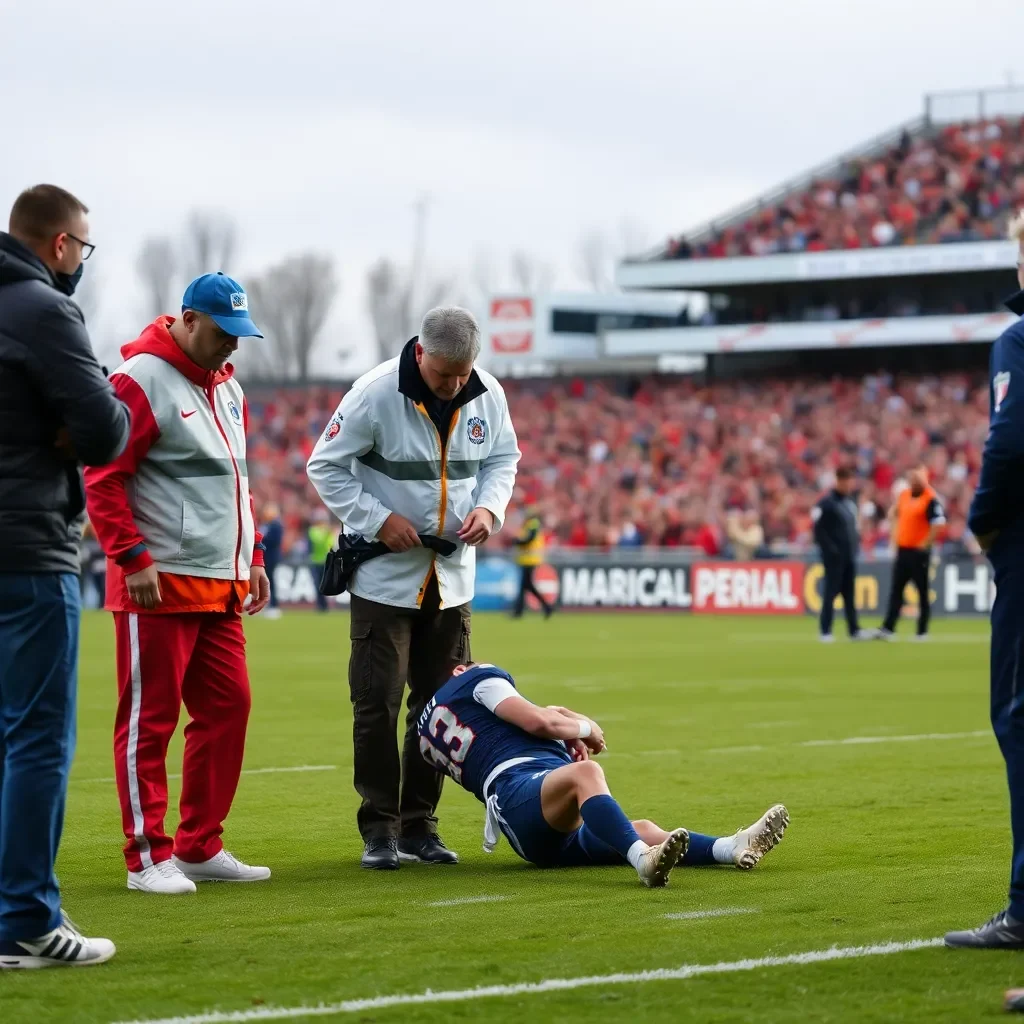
(381, 453)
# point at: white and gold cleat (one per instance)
(751, 844)
(658, 861)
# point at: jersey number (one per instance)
(448, 743)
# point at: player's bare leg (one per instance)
(578, 793)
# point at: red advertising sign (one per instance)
(511, 341)
(775, 588)
(519, 308)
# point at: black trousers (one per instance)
(527, 586)
(1007, 708)
(911, 566)
(392, 646)
(839, 580)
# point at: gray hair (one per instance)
(451, 333)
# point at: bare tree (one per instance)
(291, 302)
(483, 276)
(157, 266)
(388, 303)
(595, 262)
(209, 243)
(394, 311)
(530, 274)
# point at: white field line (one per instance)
(811, 637)
(853, 740)
(248, 771)
(266, 1013)
(700, 915)
(856, 741)
(849, 741)
(467, 899)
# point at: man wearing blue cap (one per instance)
(174, 517)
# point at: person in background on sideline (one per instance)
(322, 537)
(529, 555)
(745, 534)
(917, 517)
(837, 534)
(273, 538)
(94, 565)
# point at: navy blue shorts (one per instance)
(523, 824)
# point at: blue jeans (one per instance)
(39, 620)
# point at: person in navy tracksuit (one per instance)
(997, 521)
(273, 539)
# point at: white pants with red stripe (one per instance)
(163, 661)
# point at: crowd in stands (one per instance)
(732, 469)
(958, 183)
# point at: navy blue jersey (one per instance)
(461, 737)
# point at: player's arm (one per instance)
(551, 725)
(501, 698)
(578, 748)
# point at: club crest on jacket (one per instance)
(477, 430)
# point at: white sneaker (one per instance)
(885, 634)
(65, 946)
(920, 638)
(164, 878)
(222, 867)
(658, 861)
(865, 634)
(826, 638)
(751, 844)
(272, 613)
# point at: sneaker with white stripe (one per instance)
(222, 867)
(164, 878)
(65, 946)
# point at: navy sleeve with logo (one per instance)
(997, 500)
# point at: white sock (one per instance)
(635, 852)
(724, 849)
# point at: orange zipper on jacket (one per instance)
(442, 512)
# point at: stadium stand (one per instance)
(667, 461)
(938, 184)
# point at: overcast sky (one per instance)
(318, 124)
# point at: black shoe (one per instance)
(381, 854)
(1002, 932)
(427, 850)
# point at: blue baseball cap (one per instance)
(224, 301)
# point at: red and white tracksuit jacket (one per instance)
(178, 497)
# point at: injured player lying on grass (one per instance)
(531, 767)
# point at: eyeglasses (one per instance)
(87, 247)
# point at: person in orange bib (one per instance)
(917, 518)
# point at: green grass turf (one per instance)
(889, 841)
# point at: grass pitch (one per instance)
(709, 721)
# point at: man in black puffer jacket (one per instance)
(57, 410)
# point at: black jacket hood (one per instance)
(19, 263)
